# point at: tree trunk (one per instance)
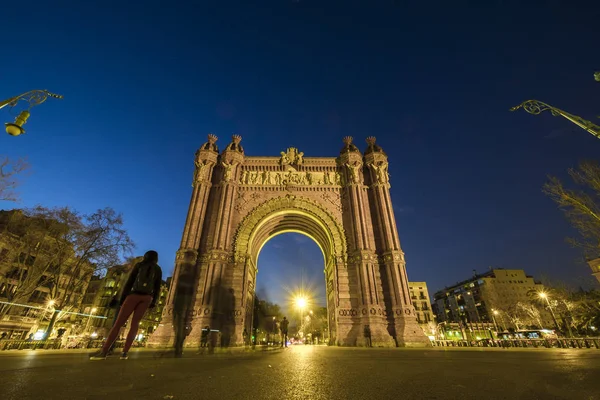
(567, 323)
(51, 324)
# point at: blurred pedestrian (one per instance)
(367, 333)
(245, 337)
(141, 292)
(204, 336)
(183, 301)
(284, 331)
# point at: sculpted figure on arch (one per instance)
(228, 170)
(354, 171)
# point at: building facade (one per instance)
(507, 298)
(422, 303)
(32, 276)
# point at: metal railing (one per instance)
(562, 343)
(30, 344)
(55, 344)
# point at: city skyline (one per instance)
(466, 174)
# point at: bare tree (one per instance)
(9, 172)
(515, 315)
(33, 236)
(531, 312)
(98, 241)
(582, 206)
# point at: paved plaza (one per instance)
(306, 372)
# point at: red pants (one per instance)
(136, 304)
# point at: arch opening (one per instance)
(292, 215)
(290, 282)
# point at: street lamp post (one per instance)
(301, 304)
(42, 316)
(544, 296)
(494, 313)
(536, 107)
(93, 310)
(312, 339)
(34, 98)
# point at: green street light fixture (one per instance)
(34, 98)
(536, 107)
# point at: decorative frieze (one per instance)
(290, 177)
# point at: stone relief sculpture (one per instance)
(267, 178)
(199, 172)
(292, 156)
(290, 177)
(284, 160)
(228, 173)
(381, 172)
(338, 178)
(354, 170)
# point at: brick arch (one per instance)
(288, 214)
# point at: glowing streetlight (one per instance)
(494, 313)
(301, 302)
(92, 311)
(51, 303)
(34, 98)
(544, 296)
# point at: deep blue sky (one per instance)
(144, 82)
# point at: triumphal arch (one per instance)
(239, 202)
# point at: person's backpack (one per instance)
(144, 282)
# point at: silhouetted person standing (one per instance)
(284, 331)
(141, 292)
